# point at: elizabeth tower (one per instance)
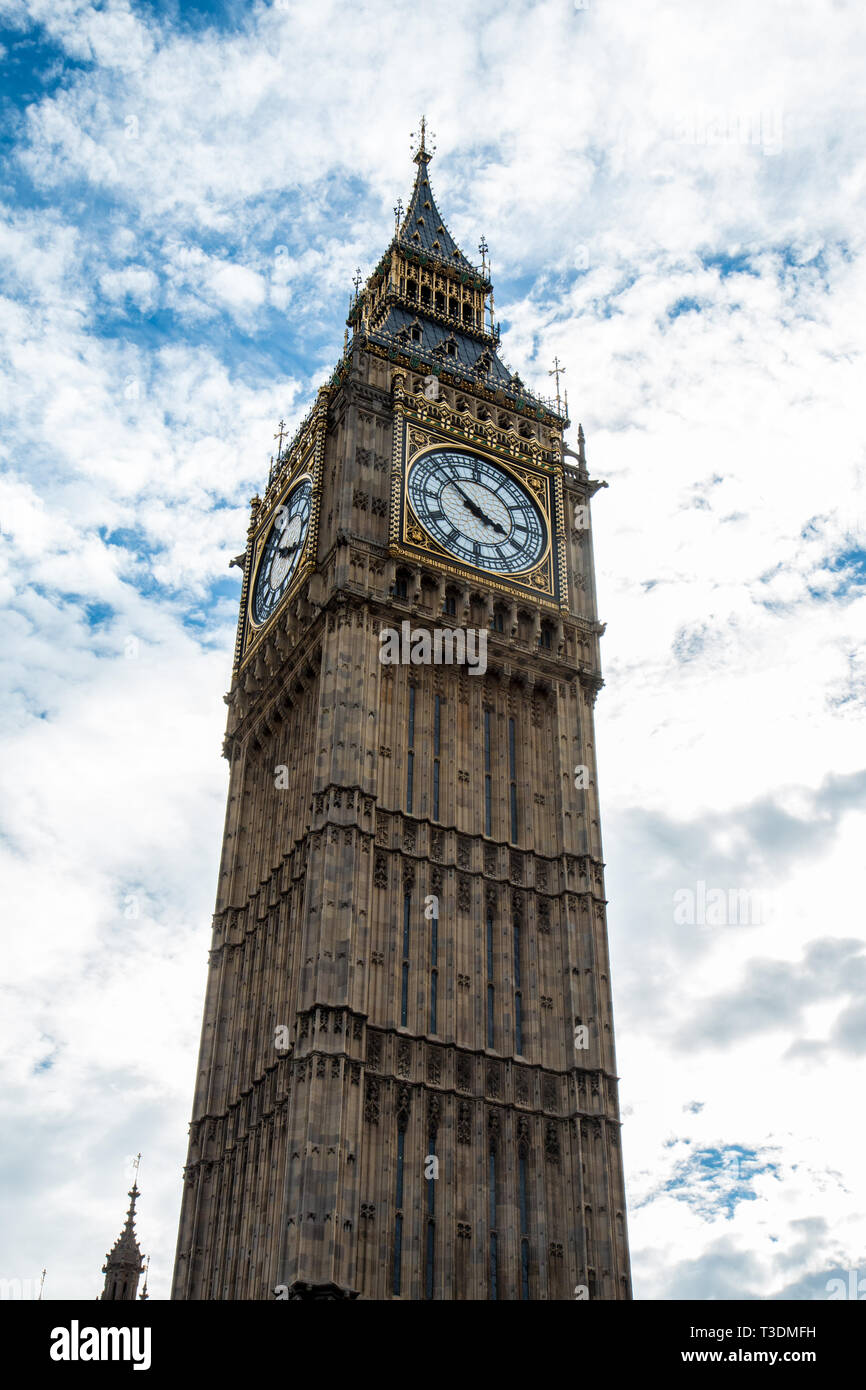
(407, 1083)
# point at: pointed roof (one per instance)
(423, 227)
(125, 1250)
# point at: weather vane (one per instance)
(557, 371)
(356, 281)
(483, 248)
(279, 435)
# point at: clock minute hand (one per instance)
(467, 502)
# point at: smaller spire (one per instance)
(123, 1265)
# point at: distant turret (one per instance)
(124, 1265)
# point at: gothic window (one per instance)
(497, 622)
(525, 431)
(440, 300)
(416, 333)
(401, 584)
(398, 1219)
(512, 774)
(412, 289)
(434, 969)
(431, 1224)
(518, 993)
(410, 755)
(461, 403)
(454, 308)
(487, 775)
(451, 603)
(437, 740)
(545, 636)
(491, 991)
(425, 294)
(491, 1197)
(404, 973)
(524, 1223)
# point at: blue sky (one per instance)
(673, 200)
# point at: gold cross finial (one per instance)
(422, 154)
(398, 213)
(135, 1167)
(483, 248)
(557, 370)
(279, 435)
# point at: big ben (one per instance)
(407, 1083)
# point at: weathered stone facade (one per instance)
(410, 1036)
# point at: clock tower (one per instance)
(407, 1084)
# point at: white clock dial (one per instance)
(282, 551)
(477, 511)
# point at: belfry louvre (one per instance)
(407, 1081)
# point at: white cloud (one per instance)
(209, 194)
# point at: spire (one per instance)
(423, 229)
(425, 303)
(123, 1265)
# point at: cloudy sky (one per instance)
(673, 196)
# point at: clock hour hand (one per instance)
(467, 502)
(477, 512)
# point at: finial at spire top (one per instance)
(557, 371)
(422, 154)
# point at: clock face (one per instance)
(282, 551)
(477, 511)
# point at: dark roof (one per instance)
(423, 225)
(436, 336)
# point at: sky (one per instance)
(673, 198)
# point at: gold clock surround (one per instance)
(412, 440)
